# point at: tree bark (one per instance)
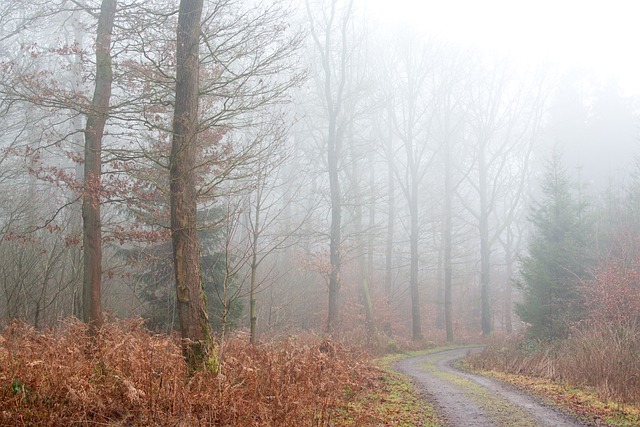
(508, 296)
(94, 132)
(362, 252)
(388, 272)
(336, 225)
(255, 234)
(485, 244)
(334, 96)
(191, 304)
(416, 318)
(448, 233)
(364, 277)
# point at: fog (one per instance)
(587, 45)
(568, 33)
(359, 167)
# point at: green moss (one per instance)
(392, 401)
(398, 403)
(212, 364)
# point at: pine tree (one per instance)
(557, 260)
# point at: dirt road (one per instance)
(466, 400)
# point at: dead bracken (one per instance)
(135, 377)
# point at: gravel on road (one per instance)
(465, 399)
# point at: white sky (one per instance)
(599, 34)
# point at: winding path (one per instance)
(463, 399)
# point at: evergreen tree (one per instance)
(559, 254)
(154, 271)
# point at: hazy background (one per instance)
(385, 153)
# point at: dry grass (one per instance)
(602, 357)
(134, 377)
(605, 357)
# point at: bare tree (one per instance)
(505, 117)
(330, 34)
(269, 205)
(31, 83)
(355, 177)
(453, 75)
(411, 114)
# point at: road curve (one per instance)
(463, 399)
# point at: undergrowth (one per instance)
(134, 377)
(597, 366)
(583, 402)
(602, 357)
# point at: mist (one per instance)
(356, 170)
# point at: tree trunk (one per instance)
(334, 97)
(388, 272)
(364, 280)
(448, 232)
(253, 314)
(485, 250)
(373, 188)
(414, 230)
(335, 232)
(75, 215)
(96, 120)
(508, 296)
(191, 304)
(362, 252)
(416, 318)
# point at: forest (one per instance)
(222, 212)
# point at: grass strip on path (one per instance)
(390, 399)
(495, 407)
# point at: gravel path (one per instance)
(463, 399)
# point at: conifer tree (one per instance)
(558, 257)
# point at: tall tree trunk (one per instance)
(362, 252)
(334, 97)
(485, 244)
(372, 214)
(388, 272)
(508, 297)
(255, 234)
(416, 318)
(191, 304)
(440, 280)
(253, 312)
(448, 232)
(336, 227)
(364, 278)
(96, 120)
(75, 218)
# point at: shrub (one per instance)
(131, 376)
(602, 356)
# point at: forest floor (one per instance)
(462, 398)
(128, 375)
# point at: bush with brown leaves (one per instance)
(129, 376)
